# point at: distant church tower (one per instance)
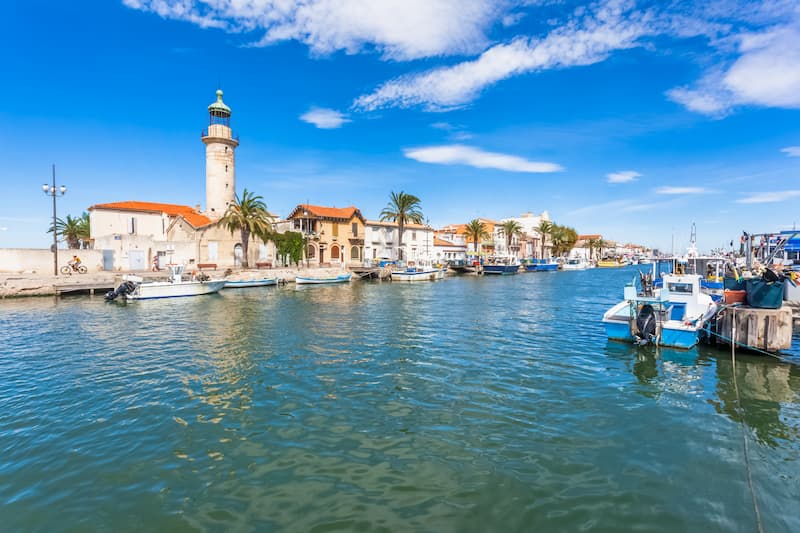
(220, 163)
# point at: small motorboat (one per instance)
(421, 272)
(673, 315)
(135, 288)
(243, 283)
(575, 264)
(343, 278)
(542, 265)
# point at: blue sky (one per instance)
(630, 119)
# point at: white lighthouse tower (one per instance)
(220, 162)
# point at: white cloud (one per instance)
(400, 29)
(457, 154)
(3, 229)
(766, 73)
(681, 190)
(325, 119)
(582, 41)
(791, 151)
(769, 197)
(622, 177)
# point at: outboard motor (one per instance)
(126, 287)
(646, 324)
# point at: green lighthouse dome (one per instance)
(218, 108)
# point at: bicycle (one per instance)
(69, 269)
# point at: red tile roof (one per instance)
(189, 214)
(320, 211)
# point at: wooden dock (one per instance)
(763, 329)
(90, 288)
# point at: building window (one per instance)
(355, 229)
(335, 230)
(388, 234)
(413, 235)
(354, 252)
(132, 226)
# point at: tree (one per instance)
(249, 216)
(510, 229)
(544, 228)
(476, 230)
(402, 209)
(84, 233)
(591, 244)
(72, 230)
(291, 244)
(563, 239)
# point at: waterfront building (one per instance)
(382, 241)
(529, 243)
(457, 234)
(446, 251)
(582, 248)
(136, 235)
(335, 234)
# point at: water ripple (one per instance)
(463, 405)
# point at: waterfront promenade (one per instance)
(14, 285)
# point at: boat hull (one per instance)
(159, 289)
(423, 275)
(344, 278)
(501, 270)
(240, 284)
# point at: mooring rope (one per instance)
(740, 411)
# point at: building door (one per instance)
(321, 255)
(108, 260)
(237, 255)
(136, 260)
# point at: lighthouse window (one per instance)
(226, 168)
(226, 148)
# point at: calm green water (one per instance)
(464, 405)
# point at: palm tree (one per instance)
(591, 244)
(476, 230)
(72, 230)
(84, 233)
(510, 228)
(402, 209)
(544, 228)
(249, 215)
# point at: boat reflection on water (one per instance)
(765, 385)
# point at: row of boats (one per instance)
(136, 288)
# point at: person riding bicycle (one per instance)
(75, 262)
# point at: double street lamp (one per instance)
(51, 190)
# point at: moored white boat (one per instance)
(135, 288)
(422, 273)
(575, 264)
(242, 283)
(310, 280)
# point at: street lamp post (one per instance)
(51, 190)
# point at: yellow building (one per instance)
(335, 234)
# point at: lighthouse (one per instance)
(220, 162)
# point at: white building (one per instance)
(530, 243)
(446, 251)
(136, 235)
(381, 240)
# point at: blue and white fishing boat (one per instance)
(342, 278)
(542, 265)
(504, 266)
(244, 283)
(673, 315)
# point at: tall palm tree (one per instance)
(476, 230)
(84, 232)
(591, 244)
(510, 228)
(544, 228)
(402, 209)
(70, 230)
(249, 216)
